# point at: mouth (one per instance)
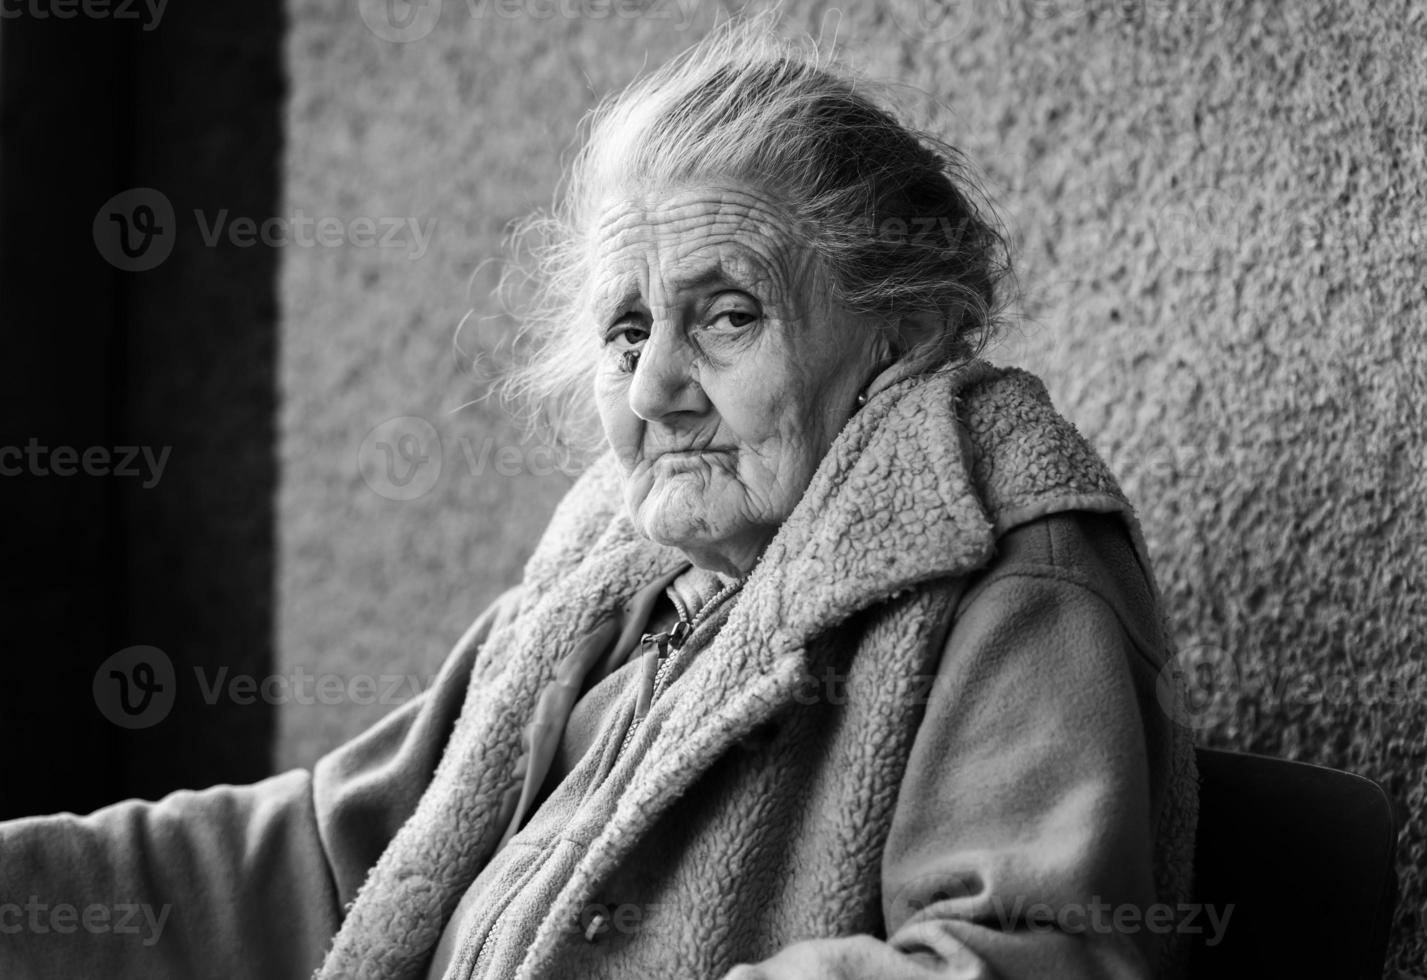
(678, 457)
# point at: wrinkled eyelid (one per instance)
(627, 316)
(734, 301)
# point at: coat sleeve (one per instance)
(1022, 844)
(231, 882)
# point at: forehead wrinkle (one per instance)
(732, 263)
(750, 239)
(692, 204)
(692, 265)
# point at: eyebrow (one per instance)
(618, 296)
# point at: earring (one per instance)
(629, 360)
(862, 398)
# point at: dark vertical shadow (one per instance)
(168, 347)
(59, 149)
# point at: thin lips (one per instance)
(691, 452)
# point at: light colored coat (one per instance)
(735, 860)
(747, 821)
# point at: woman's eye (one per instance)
(736, 318)
(627, 332)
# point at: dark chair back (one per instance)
(1304, 854)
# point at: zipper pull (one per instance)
(656, 648)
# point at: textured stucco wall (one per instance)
(1220, 221)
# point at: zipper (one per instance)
(670, 646)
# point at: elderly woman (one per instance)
(840, 663)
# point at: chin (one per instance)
(673, 531)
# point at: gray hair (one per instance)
(893, 216)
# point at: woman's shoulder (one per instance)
(1092, 547)
(1079, 556)
(1024, 458)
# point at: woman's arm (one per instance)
(230, 882)
(1023, 841)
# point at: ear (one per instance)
(894, 366)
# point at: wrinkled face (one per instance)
(745, 369)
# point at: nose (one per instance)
(665, 381)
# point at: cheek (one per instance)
(624, 432)
(621, 426)
(792, 419)
(778, 430)
(787, 408)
